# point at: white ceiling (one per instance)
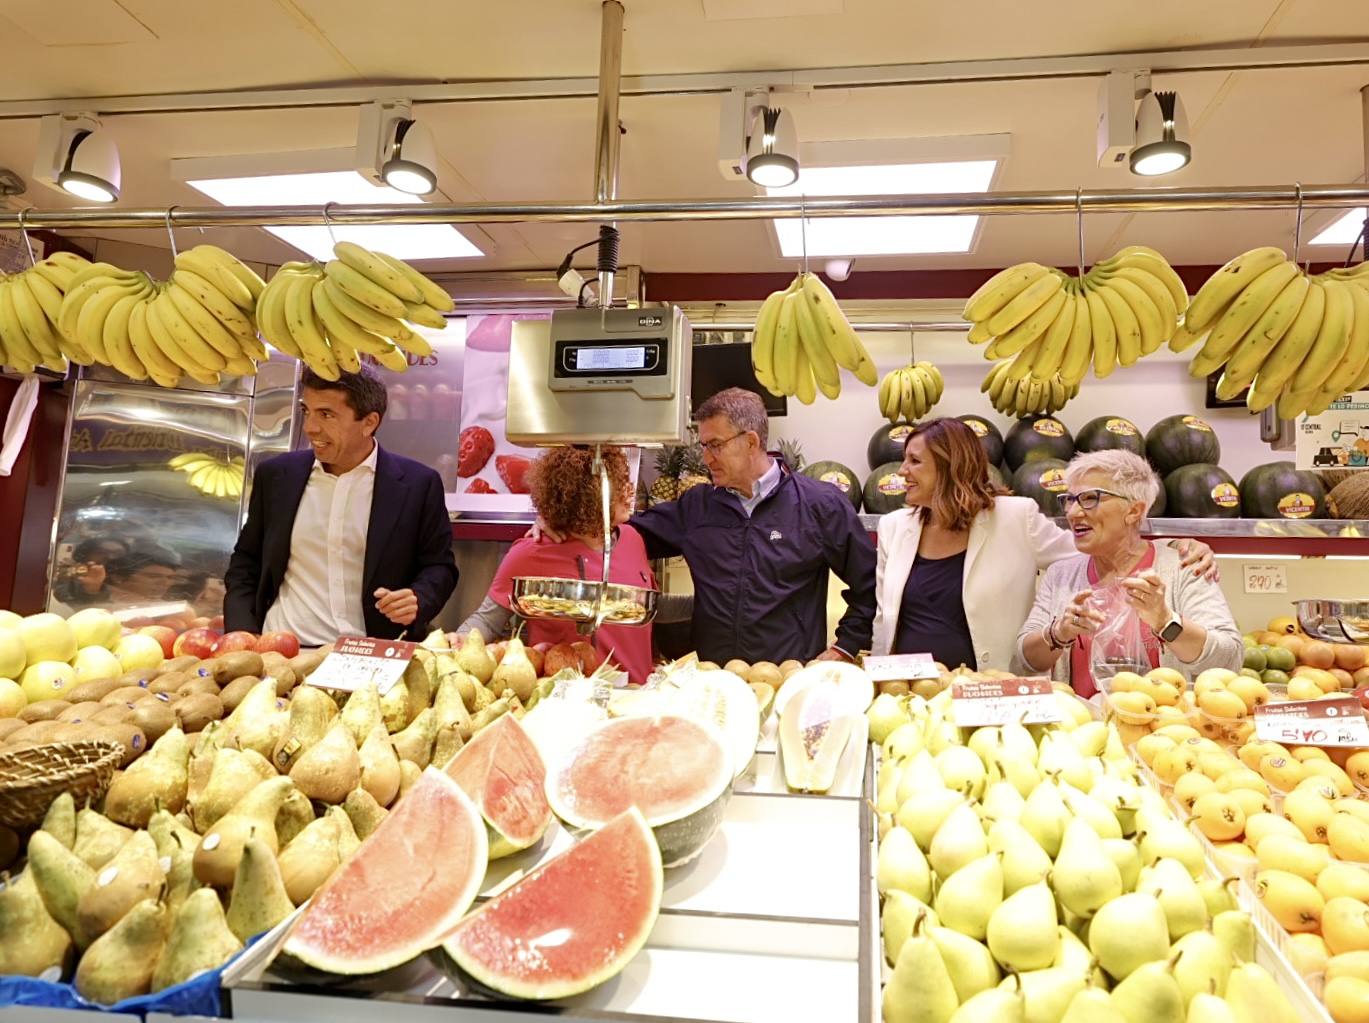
(1249, 127)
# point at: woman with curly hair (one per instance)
(566, 493)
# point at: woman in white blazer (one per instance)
(956, 570)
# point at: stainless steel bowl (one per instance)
(1336, 621)
(575, 600)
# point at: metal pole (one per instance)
(606, 134)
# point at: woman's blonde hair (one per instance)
(1129, 474)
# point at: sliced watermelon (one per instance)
(676, 771)
(403, 890)
(573, 923)
(501, 770)
(717, 698)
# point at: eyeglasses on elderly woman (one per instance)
(1086, 499)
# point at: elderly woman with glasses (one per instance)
(1185, 623)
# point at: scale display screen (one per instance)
(617, 357)
(608, 362)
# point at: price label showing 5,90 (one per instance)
(1337, 721)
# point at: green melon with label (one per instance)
(839, 476)
(1202, 491)
(1037, 437)
(887, 443)
(885, 489)
(1110, 433)
(989, 436)
(1279, 490)
(1182, 440)
(1043, 480)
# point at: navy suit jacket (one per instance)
(408, 542)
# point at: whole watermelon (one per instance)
(839, 476)
(988, 435)
(1043, 480)
(1110, 433)
(997, 477)
(887, 443)
(1037, 437)
(1161, 504)
(1202, 491)
(884, 489)
(1181, 440)
(1279, 490)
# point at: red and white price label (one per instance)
(359, 660)
(1336, 721)
(900, 667)
(1029, 701)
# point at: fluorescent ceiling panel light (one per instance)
(1344, 230)
(409, 241)
(884, 236)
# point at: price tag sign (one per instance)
(900, 667)
(1265, 578)
(359, 660)
(1337, 721)
(1029, 701)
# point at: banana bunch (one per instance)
(329, 316)
(30, 304)
(910, 392)
(1298, 342)
(209, 475)
(1023, 395)
(802, 340)
(1050, 323)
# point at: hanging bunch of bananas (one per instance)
(1298, 342)
(329, 316)
(910, 392)
(211, 476)
(1025, 394)
(1050, 323)
(802, 340)
(30, 305)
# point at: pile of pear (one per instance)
(209, 839)
(1029, 874)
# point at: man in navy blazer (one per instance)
(343, 538)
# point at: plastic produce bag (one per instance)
(1120, 642)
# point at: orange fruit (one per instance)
(1318, 654)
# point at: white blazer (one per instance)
(1008, 545)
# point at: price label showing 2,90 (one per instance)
(1337, 721)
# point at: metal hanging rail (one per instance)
(1126, 200)
(883, 327)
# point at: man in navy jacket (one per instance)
(344, 538)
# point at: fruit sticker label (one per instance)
(1297, 505)
(1226, 495)
(1194, 423)
(1053, 480)
(1121, 427)
(1048, 428)
(358, 660)
(838, 480)
(979, 428)
(1030, 701)
(901, 433)
(892, 485)
(1335, 721)
(900, 667)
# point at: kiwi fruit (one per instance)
(168, 683)
(125, 694)
(97, 690)
(234, 693)
(80, 711)
(200, 685)
(8, 726)
(130, 737)
(196, 710)
(139, 676)
(153, 718)
(235, 665)
(183, 663)
(112, 714)
(37, 732)
(43, 710)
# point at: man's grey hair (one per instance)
(1128, 474)
(743, 409)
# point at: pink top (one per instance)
(628, 645)
(1081, 655)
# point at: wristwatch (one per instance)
(1172, 630)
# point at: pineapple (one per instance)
(678, 468)
(792, 453)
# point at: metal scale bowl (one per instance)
(1335, 621)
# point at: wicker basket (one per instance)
(32, 777)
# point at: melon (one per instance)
(1181, 440)
(573, 923)
(1034, 438)
(676, 771)
(815, 727)
(1202, 492)
(1043, 481)
(404, 888)
(989, 437)
(502, 772)
(1279, 490)
(887, 444)
(839, 476)
(1110, 433)
(884, 489)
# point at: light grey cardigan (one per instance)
(1199, 600)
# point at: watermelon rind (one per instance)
(1180, 440)
(502, 961)
(503, 773)
(989, 436)
(885, 490)
(837, 475)
(886, 445)
(1042, 480)
(1034, 438)
(446, 890)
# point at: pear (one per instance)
(1022, 930)
(1061, 760)
(1206, 1008)
(885, 714)
(295, 814)
(1168, 838)
(200, 940)
(918, 775)
(920, 989)
(450, 704)
(1098, 816)
(347, 840)
(34, 941)
(394, 707)
(1074, 955)
(61, 878)
(967, 898)
(217, 856)
(923, 813)
(1123, 852)
(1092, 1005)
(1169, 881)
(1024, 861)
(962, 771)
(1085, 878)
(1090, 739)
(1203, 964)
(420, 678)
(1149, 994)
(449, 742)
(1002, 802)
(993, 1006)
(176, 852)
(379, 766)
(474, 659)
(409, 773)
(98, 838)
(1236, 932)
(310, 859)
(258, 901)
(60, 820)
(1255, 997)
(1047, 993)
(330, 768)
(900, 914)
(364, 812)
(311, 712)
(258, 722)
(901, 866)
(119, 964)
(1045, 816)
(1019, 772)
(515, 671)
(415, 743)
(1217, 894)
(969, 962)
(234, 774)
(135, 873)
(157, 779)
(1128, 931)
(904, 743)
(958, 841)
(362, 712)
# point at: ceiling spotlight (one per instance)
(1162, 144)
(75, 155)
(396, 150)
(772, 149)
(839, 269)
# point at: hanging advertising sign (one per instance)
(1337, 438)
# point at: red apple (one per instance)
(216, 622)
(164, 635)
(535, 656)
(195, 643)
(589, 657)
(560, 657)
(236, 641)
(284, 643)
